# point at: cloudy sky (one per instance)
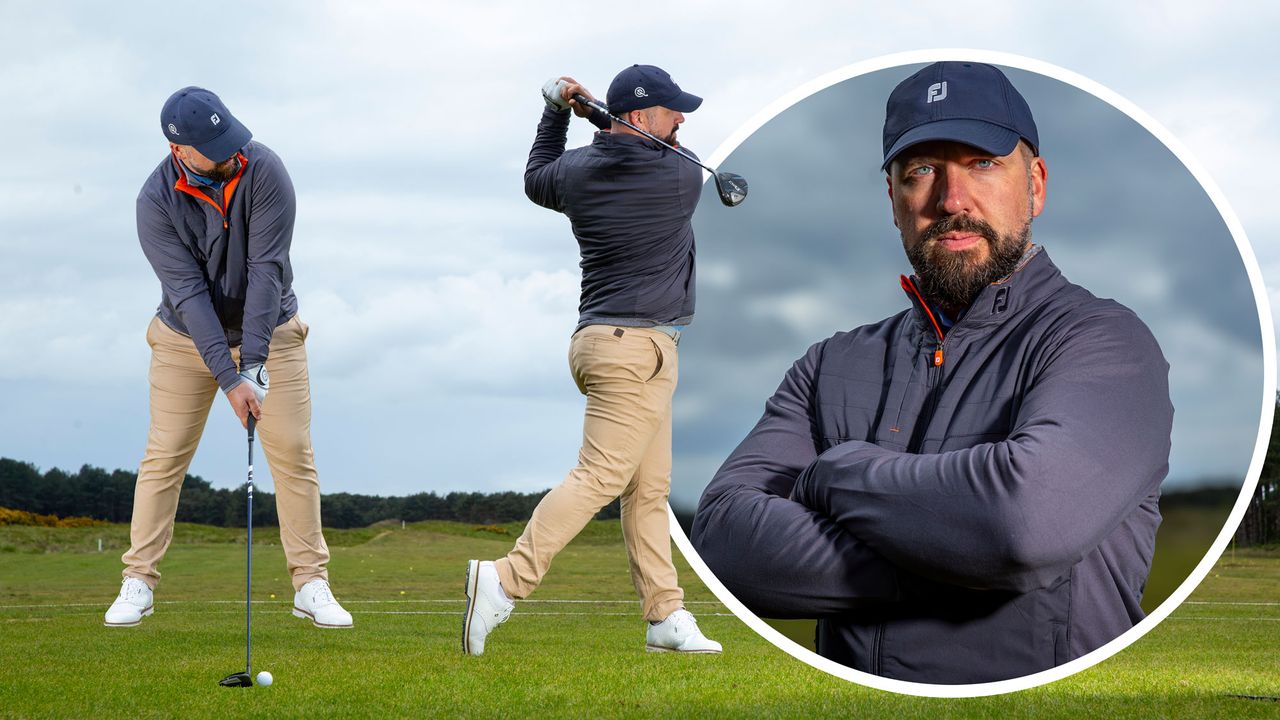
(440, 300)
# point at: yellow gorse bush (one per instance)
(22, 517)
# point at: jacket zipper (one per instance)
(185, 187)
(935, 368)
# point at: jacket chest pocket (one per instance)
(848, 408)
(969, 414)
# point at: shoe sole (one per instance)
(660, 649)
(300, 613)
(135, 623)
(473, 580)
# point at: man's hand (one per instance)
(247, 397)
(244, 401)
(570, 87)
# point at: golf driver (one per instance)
(245, 679)
(732, 188)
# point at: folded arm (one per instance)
(778, 557)
(1090, 441)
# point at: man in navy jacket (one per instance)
(967, 491)
(215, 220)
(630, 202)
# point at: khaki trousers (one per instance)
(629, 376)
(182, 390)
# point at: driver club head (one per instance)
(240, 679)
(732, 188)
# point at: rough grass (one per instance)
(553, 659)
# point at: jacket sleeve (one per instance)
(778, 557)
(1089, 442)
(548, 146)
(271, 217)
(600, 120)
(184, 284)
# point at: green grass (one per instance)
(551, 660)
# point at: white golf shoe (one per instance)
(315, 602)
(487, 605)
(134, 603)
(678, 633)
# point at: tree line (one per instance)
(93, 492)
(96, 493)
(1261, 524)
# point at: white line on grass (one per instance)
(1215, 617)
(352, 602)
(1229, 602)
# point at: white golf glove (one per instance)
(551, 93)
(257, 378)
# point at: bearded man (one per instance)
(967, 491)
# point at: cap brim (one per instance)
(983, 135)
(684, 102)
(221, 148)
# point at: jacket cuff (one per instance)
(228, 378)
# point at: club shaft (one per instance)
(596, 104)
(248, 574)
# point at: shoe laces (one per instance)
(131, 588)
(684, 620)
(321, 594)
(504, 612)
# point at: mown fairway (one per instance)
(555, 658)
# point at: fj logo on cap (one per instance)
(215, 119)
(937, 92)
(173, 128)
(641, 93)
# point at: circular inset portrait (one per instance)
(977, 391)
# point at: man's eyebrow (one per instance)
(922, 157)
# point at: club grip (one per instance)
(252, 422)
(589, 103)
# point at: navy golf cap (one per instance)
(644, 86)
(965, 102)
(194, 116)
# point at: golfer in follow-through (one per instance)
(630, 202)
(215, 220)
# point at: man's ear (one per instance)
(1039, 185)
(889, 182)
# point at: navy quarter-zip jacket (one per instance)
(222, 257)
(630, 202)
(955, 509)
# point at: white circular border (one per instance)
(1268, 391)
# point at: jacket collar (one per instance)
(1035, 279)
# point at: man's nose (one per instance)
(953, 190)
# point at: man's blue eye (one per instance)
(986, 163)
(921, 170)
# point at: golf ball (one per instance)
(264, 678)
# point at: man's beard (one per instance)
(224, 171)
(954, 278)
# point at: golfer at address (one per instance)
(966, 491)
(215, 220)
(630, 202)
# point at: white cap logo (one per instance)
(215, 119)
(173, 128)
(641, 93)
(937, 92)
